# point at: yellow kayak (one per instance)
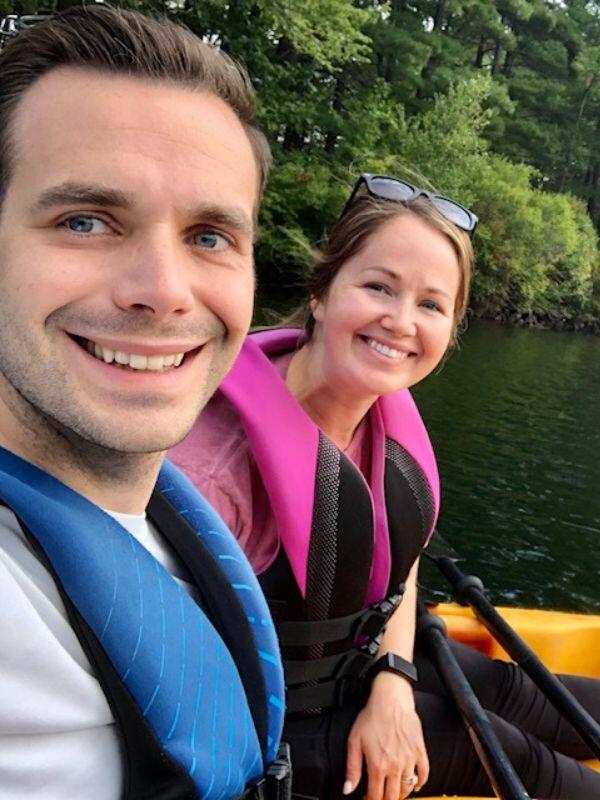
(565, 642)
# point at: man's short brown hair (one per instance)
(126, 43)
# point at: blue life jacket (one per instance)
(197, 692)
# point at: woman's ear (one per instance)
(316, 307)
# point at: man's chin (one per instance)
(152, 437)
(151, 443)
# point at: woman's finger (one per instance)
(353, 765)
(408, 782)
(421, 768)
(376, 783)
(393, 787)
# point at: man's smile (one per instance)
(121, 357)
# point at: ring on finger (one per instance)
(410, 779)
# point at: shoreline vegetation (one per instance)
(548, 321)
(497, 104)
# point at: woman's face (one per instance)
(388, 316)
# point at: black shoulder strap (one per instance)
(410, 510)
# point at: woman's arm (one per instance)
(387, 732)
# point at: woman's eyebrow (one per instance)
(386, 271)
(438, 291)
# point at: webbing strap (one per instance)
(368, 622)
(324, 695)
(303, 633)
(340, 664)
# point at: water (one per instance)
(515, 420)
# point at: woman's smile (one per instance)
(387, 318)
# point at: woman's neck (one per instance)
(337, 413)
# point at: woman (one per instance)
(316, 457)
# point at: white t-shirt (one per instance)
(58, 739)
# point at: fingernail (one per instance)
(347, 787)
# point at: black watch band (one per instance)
(390, 662)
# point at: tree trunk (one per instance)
(438, 17)
(509, 60)
(481, 49)
(496, 59)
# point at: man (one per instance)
(131, 170)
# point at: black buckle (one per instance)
(371, 623)
(277, 783)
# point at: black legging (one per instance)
(541, 746)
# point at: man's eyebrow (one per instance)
(71, 193)
(231, 218)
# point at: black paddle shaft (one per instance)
(469, 590)
(500, 771)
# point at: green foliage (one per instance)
(336, 42)
(495, 102)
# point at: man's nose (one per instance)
(157, 277)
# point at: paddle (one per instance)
(433, 637)
(469, 590)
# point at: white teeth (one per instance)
(137, 361)
(390, 352)
(134, 360)
(155, 362)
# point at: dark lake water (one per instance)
(515, 420)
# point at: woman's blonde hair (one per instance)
(350, 234)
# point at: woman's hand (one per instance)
(387, 734)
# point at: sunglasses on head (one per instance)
(385, 188)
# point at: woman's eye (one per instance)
(85, 224)
(431, 305)
(211, 240)
(378, 287)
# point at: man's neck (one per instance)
(113, 480)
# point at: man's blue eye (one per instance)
(210, 240)
(83, 224)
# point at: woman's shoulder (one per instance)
(216, 444)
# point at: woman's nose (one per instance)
(400, 319)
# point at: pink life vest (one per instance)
(285, 445)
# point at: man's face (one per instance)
(125, 242)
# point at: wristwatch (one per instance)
(390, 662)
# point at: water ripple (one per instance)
(514, 420)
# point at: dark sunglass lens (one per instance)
(453, 212)
(390, 189)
